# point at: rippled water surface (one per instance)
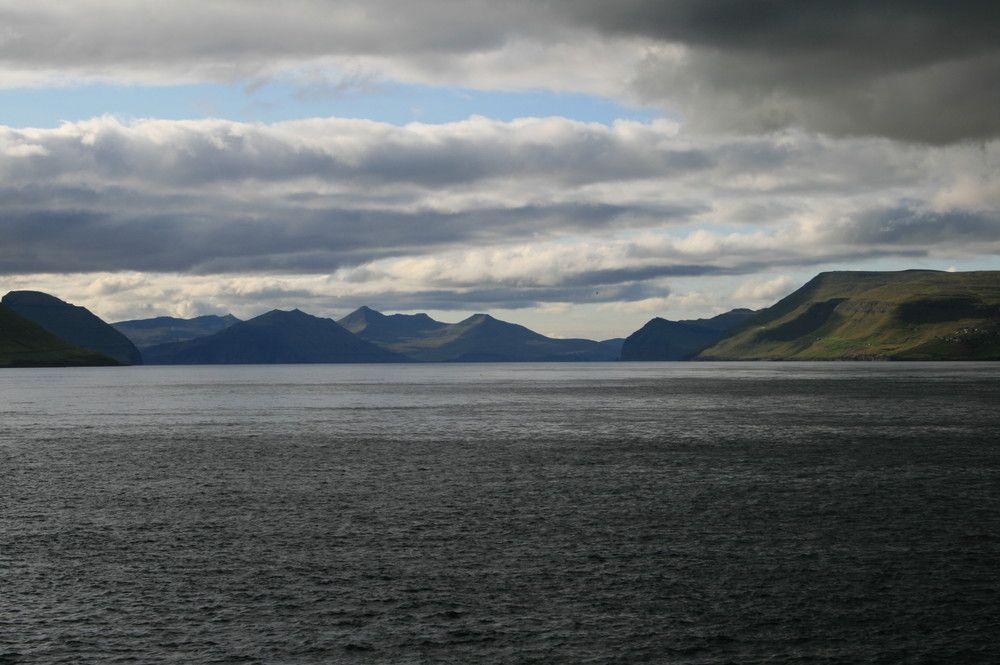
(501, 514)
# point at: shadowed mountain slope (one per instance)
(480, 338)
(907, 315)
(661, 339)
(390, 329)
(24, 343)
(276, 337)
(74, 324)
(614, 345)
(145, 333)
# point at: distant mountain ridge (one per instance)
(277, 337)
(73, 324)
(479, 338)
(145, 333)
(848, 315)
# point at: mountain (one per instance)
(74, 324)
(145, 333)
(615, 345)
(276, 337)
(388, 330)
(661, 339)
(724, 321)
(480, 338)
(907, 315)
(24, 343)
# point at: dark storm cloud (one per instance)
(907, 226)
(592, 278)
(493, 297)
(920, 70)
(215, 196)
(896, 31)
(255, 239)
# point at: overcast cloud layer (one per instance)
(804, 134)
(917, 70)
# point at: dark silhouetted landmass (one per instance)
(661, 339)
(907, 315)
(614, 345)
(389, 330)
(24, 343)
(145, 333)
(276, 337)
(74, 324)
(480, 338)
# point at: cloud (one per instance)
(150, 33)
(476, 215)
(216, 196)
(802, 135)
(760, 292)
(914, 70)
(917, 225)
(924, 71)
(514, 45)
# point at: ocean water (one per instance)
(501, 514)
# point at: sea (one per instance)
(578, 513)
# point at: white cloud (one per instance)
(653, 306)
(761, 292)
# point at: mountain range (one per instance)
(479, 338)
(276, 337)
(907, 315)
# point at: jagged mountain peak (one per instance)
(389, 329)
(361, 318)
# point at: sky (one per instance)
(575, 166)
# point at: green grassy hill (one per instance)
(24, 343)
(908, 315)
